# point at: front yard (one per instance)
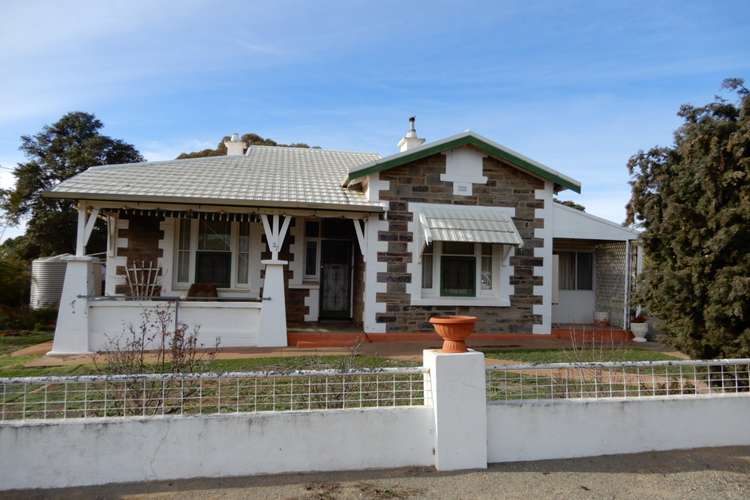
(33, 363)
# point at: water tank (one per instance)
(47, 278)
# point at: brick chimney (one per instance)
(235, 146)
(410, 140)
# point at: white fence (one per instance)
(452, 413)
(618, 379)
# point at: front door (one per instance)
(335, 279)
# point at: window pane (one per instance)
(458, 248)
(214, 235)
(184, 243)
(312, 229)
(567, 271)
(457, 276)
(242, 268)
(244, 237)
(311, 258)
(486, 273)
(183, 266)
(213, 267)
(426, 270)
(585, 271)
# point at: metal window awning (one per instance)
(469, 224)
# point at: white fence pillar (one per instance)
(272, 331)
(459, 408)
(72, 329)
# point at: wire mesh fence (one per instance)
(618, 380)
(209, 393)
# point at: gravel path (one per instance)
(711, 473)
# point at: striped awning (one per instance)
(468, 224)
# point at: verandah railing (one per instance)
(150, 395)
(618, 379)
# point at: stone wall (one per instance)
(420, 182)
(609, 269)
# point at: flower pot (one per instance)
(454, 330)
(640, 330)
(601, 318)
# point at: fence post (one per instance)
(459, 407)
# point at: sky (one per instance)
(578, 86)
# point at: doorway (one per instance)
(335, 279)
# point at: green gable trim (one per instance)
(466, 140)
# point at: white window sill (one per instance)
(461, 301)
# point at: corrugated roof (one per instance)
(468, 224)
(265, 176)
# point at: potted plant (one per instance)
(454, 330)
(639, 327)
(601, 318)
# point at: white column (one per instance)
(273, 314)
(72, 329)
(459, 408)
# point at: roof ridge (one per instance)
(347, 151)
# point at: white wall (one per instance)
(574, 306)
(233, 324)
(81, 452)
(575, 224)
(566, 429)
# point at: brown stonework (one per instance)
(420, 182)
(295, 304)
(143, 234)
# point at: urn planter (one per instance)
(640, 330)
(454, 330)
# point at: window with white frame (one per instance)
(576, 270)
(461, 270)
(212, 251)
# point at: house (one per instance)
(461, 225)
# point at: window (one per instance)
(212, 251)
(576, 270)
(486, 276)
(458, 270)
(312, 244)
(461, 270)
(213, 259)
(243, 254)
(183, 251)
(427, 267)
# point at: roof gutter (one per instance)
(214, 202)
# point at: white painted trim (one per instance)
(81, 231)
(545, 252)
(361, 237)
(372, 267)
(90, 223)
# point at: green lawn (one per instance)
(570, 356)
(13, 366)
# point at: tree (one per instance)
(693, 201)
(249, 138)
(571, 204)
(61, 150)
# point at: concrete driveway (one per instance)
(710, 473)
